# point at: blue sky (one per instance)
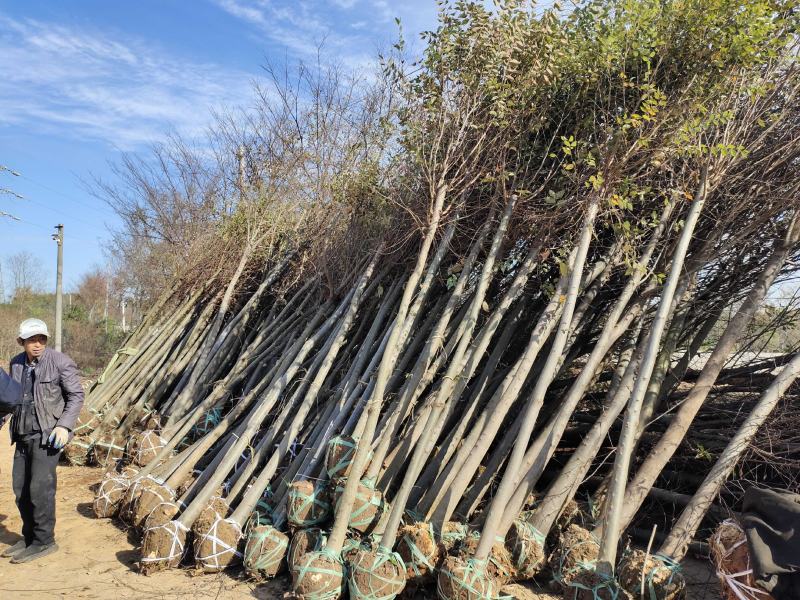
(84, 80)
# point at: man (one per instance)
(42, 423)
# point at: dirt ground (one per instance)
(96, 558)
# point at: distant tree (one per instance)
(27, 273)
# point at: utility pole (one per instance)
(59, 239)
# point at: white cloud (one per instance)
(86, 83)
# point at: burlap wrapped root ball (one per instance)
(163, 547)
(576, 549)
(78, 451)
(151, 496)
(147, 447)
(216, 508)
(526, 545)
(217, 547)
(265, 551)
(662, 577)
(318, 576)
(375, 575)
(368, 507)
(417, 547)
(108, 451)
(153, 422)
(304, 541)
(465, 579)
(109, 495)
(308, 503)
(500, 564)
(339, 455)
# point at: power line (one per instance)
(105, 213)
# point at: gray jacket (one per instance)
(57, 391)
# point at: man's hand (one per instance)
(58, 437)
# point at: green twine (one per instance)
(360, 517)
(258, 556)
(394, 586)
(345, 459)
(458, 533)
(666, 562)
(606, 583)
(298, 503)
(527, 536)
(314, 533)
(300, 571)
(417, 556)
(472, 578)
(559, 574)
(210, 420)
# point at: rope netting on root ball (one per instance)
(526, 544)
(730, 556)
(163, 547)
(109, 495)
(265, 551)
(375, 575)
(659, 576)
(148, 444)
(216, 548)
(308, 503)
(460, 579)
(417, 547)
(577, 551)
(368, 507)
(318, 576)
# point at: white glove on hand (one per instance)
(58, 437)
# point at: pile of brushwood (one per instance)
(570, 208)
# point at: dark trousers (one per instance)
(34, 481)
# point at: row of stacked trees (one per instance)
(401, 322)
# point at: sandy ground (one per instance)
(96, 558)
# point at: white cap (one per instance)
(31, 327)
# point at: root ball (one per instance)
(150, 497)
(418, 549)
(161, 514)
(148, 445)
(303, 542)
(264, 551)
(107, 451)
(465, 579)
(576, 547)
(526, 545)
(587, 584)
(127, 505)
(453, 534)
(109, 495)
(662, 579)
(339, 456)
(78, 450)
(368, 507)
(375, 575)
(163, 547)
(308, 503)
(318, 576)
(500, 564)
(216, 548)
